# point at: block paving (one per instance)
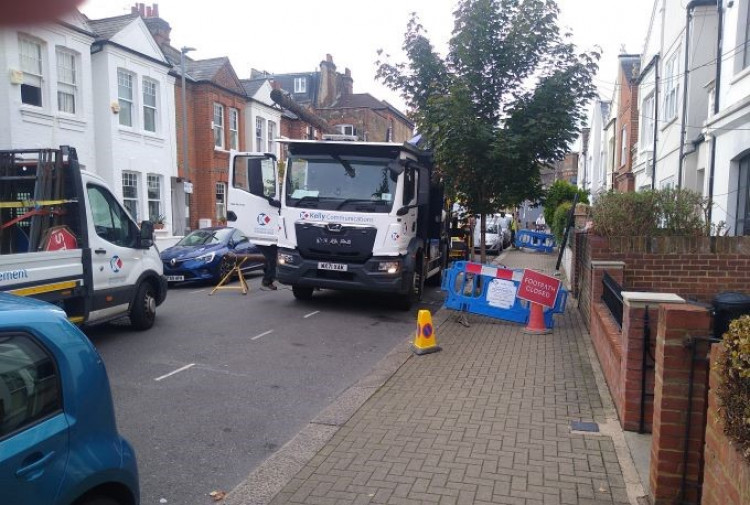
(485, 421)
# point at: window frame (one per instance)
(218, 126)
(671, 86)
(136, 199)
(32, 78)
(146, 84)
(220, 200)
(123, 102)
(69, 88)
(746, 49)
(271, 128)
(623, 145)
(151, 200)
(259, 133)
(234, 129)
(647, 120)
(56, 370)
(742, 220)
(300, 85)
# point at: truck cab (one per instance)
(357, 216)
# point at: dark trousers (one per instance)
(269, 269)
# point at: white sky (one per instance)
(285, 36)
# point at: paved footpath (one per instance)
(487, 420)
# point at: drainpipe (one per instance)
(683, 126)
(717, 89)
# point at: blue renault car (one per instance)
(206, 255)
(59, 443)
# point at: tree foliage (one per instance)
(559, 192)
(508, 96)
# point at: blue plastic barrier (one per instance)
(536, 240)
(467, 292)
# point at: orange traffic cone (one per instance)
(536, 324)
(424, 340)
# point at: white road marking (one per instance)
(198, 291)
(311, 314)
(175, 371)
(256, 337)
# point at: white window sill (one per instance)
(740, 75)
(669, 123)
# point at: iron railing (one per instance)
(612, 297)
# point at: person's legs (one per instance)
(269, 269)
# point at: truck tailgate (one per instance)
(40, 272)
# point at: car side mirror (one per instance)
(231, 216)
(146, 235)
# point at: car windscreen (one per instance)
(206, 237)
(341, 183)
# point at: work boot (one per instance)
(269, 285)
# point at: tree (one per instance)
(508, 96)
(560, 192)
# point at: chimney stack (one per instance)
(347, 83)
(159, 28)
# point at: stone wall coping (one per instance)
(639, 297)
(607, 264)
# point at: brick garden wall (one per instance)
(696, 268)
(726, 478)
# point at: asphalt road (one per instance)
(221, 382)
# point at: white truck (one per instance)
(65, 239)
(360, 216)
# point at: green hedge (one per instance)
(667, 212)
(734, 392)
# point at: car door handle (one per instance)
(100, 251)
(35, 469)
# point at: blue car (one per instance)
(207, 254)
(59, 443)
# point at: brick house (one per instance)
(626, 125)
(330, 95)
(216, 103)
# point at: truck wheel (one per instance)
(143, 312)
(417, 279)
(302, 292)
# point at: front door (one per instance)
(253, 197)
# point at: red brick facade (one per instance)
(627, 120)
(207, 164)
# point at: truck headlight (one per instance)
(206, 258)
(389, 267)
(285, 259)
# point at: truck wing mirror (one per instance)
(231, 216)
(146, 235)
(274, 203)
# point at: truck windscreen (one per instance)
(337, 183)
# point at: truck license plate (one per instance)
(175, 278)
(338, 267)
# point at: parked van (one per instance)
(65, 239)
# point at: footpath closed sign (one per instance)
(538, 288)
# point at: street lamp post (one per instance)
(185, 167)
